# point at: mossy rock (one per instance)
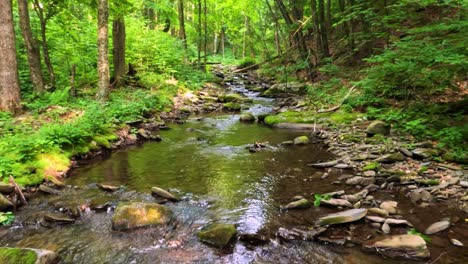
(218, 235)
(232, 106)
(378, 128)
(428, 182)
(310, 117)
(233, 97)
(247, 118)
(135, 215)
(27, 256)
(302, 140)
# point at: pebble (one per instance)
(463, 184)
(456, 242)
(386, 228)
(389, 206)
(369, 173)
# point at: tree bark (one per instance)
(9, 81)
(323, 29)
(32, 49)
(205, 25)
(182, 34)
(103, 46)
(199, 41)
(118, 51)
(45, 45)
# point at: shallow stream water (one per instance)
(206, 162)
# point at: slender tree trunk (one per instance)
(328, 19)
(206, 38)
(316, 27)
(103, 46)
(72, 81)
(277, 28)
(45, 45)
(118, 37)
(34, 56)
(323, 29)
(199, 42)
(351, 29)
(222, 39)
(9, 81)
(182, 34)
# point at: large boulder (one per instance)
(378, 127)
(5, 204)
(342, 217)
(400, 246)
(27, 256)
(218, 235)
(135, 214)
(286, 88)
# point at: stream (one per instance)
(205, 161)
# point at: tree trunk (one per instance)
(32, 49)
(199, 42)
(103, 46)
(323, 29)
(328, 19)
(118, 51)
(206, 38)
(316, 27)
(9, 81)
(182, 34)
(45, 46)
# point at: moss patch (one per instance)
(17, 255)
(371, 166)
(310, 117)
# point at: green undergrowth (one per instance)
(429, 122)
(311, 117)
(42, 141)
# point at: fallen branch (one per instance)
(18, 191)
(333, 109)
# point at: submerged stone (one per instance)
(164, 194)
(342, 217)
(247, 117)
(27, 256)
(400, 246)
(218, 235)
(302, 140)
(58, 218)
(107, 187)
(135, 214)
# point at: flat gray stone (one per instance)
(342, 217)
(437, 227)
